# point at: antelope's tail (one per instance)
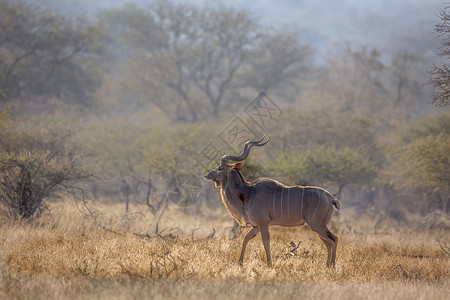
(336, 203)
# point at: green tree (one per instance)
(423, 160)
(426, 163)
(430, 126)
(305, 128)
(324, 165)
(425, 166)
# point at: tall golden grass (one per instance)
(67, 255)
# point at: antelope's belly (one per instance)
(287, 223)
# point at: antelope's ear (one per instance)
(238, 165)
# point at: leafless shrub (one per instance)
(440, 75)
(40, 168)
(163, 265)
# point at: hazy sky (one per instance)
(390, 25)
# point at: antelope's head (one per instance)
(220, 174)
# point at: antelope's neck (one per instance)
(235, 192)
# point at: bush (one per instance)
(425, 163)
(127, 146)
(432, 125)
(30, 178)
(36, 166)
(45, 55)
(314, 128)
(324, 165)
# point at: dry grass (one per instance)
(68, 256)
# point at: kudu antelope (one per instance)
(266, 202)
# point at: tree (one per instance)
(406, 86)
(321, 127)
(351, 81)
(423, 163)
(440, 75)
(190, 52)
(430, 126)
(324, 165)
(191, 61)
(425, 166)
(279, 59)
(42, 54)
(426, 162)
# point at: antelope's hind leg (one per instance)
(334, 248)
(327, 237)
(327, 244)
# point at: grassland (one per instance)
(116, 256)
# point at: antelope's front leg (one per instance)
(266, 242)
(251, 234)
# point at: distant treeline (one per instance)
(133, 95)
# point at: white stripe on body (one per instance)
(289, 212)
(282, 192)
(301, 204)
(318, 203)
(273, 200)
